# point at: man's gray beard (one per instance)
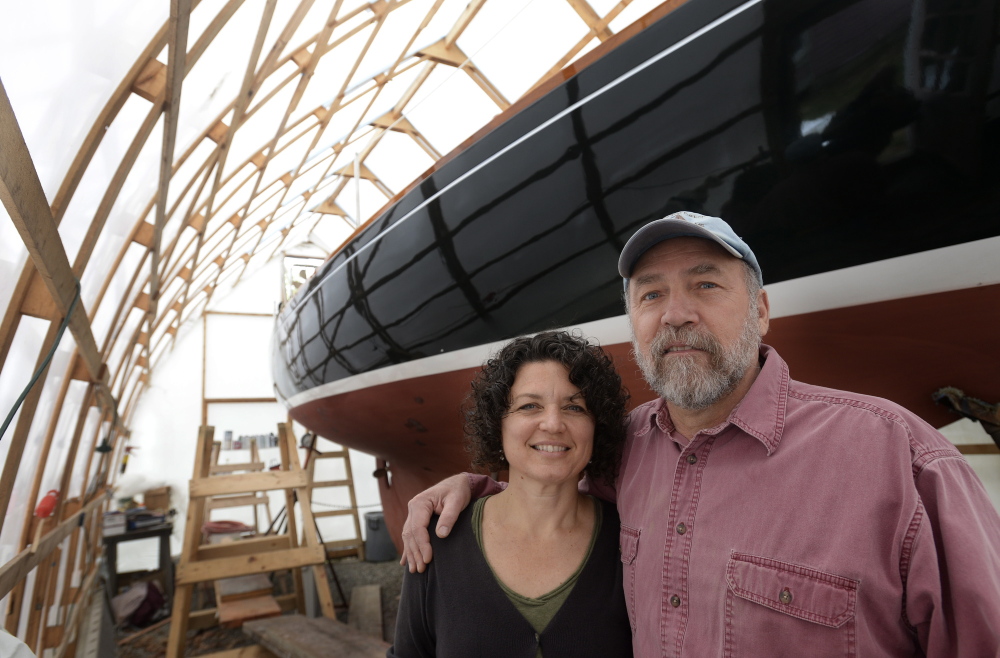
(685, 382)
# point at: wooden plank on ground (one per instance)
(255, 651)
(243, 587)
(232, 614)
(296, 636)
(365, 613)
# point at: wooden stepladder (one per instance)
(340, 547)
(263, 554)
(252, 500)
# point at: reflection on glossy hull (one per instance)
(843, 139)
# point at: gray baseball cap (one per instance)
(681, 224)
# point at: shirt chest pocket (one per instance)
(629, 545)
(775, 608)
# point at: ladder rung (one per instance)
(331, 483)
(333, 512)
(343, 543)
(331, 455)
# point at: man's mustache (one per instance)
(700, 340)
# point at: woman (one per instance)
(534, 570)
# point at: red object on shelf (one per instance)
(47, 504)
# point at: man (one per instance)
(766, 517)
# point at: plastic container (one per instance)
(378, 544)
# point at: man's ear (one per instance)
(763, 312)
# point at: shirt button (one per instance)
(692, 459)
(785, 596)
(681, 528)
(675, 600)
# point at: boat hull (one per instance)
(840, 138)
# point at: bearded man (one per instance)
(762, 516)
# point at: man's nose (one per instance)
(678, 310)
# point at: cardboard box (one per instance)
(157, 499)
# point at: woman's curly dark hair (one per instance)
(590, 370)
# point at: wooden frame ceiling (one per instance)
(209, 244)
(200, 232)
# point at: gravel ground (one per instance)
(350, 573)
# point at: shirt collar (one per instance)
(761, 412)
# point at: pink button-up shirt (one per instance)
(813, 522)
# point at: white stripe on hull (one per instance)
(966, 265)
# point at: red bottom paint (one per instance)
(903, 350)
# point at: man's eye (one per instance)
(705, 285)
(649, 296)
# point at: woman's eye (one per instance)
(528, 406)
(577, 408)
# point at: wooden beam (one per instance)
(189, 573)
(247, 483)
(591, 18)
(19, 567)
(177, 36)
(151, 80)
(22, 195)
(144, 234)
(38, 302)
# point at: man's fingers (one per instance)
(416, 540)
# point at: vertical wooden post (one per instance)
(285, 450)
(189, 551)
(308, 523)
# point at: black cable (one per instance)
(45, 363)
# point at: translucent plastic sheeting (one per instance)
(288, 160)
(139, 186)
(117, 289)
(393, 90)
(62, 439)
(180, 180)
(236, 361)
(313, 22)
(526, 47)
(394, 35)
(133, 317)
(201, 17)
(285, 75)
(13, 255)
(449, 108)
(602, 7)
(308, 176)
(217, 77)
(398, 160)
(332, 231)
(258, 131)
(17, 371)
(331, 74)
(117, 139)
(632, 13)
(60, 61)
(19, 501)
(84, 452)
(341, 124)
(441, 23)
(304, 132)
